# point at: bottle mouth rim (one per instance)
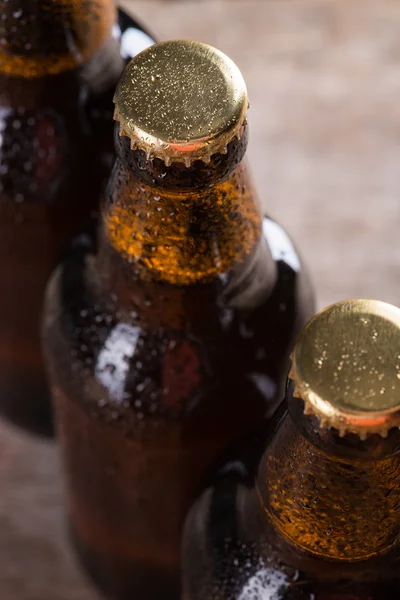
(181, 101)
(346, 367)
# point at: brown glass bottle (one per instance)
(170, 339)
(309, 509)
(59, 65)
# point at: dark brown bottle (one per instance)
(59, 65)
(170, 339)
(309, 508)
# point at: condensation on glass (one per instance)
(170, 338)
(308, 507)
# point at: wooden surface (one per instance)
(324, 84)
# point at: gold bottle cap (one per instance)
(346, 367)
(181, 101)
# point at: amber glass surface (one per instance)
(164, 344)
(308, 515)
(59, 64)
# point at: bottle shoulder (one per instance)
(80, 284)
(132, 35)
(187, 340)
(293, 273)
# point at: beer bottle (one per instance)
(169, 339)
(59, 65)
(317, 517)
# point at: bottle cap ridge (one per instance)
(181, 101)
(346, 367)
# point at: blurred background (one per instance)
(324, 87)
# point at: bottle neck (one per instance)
(335, 498)
(40, 38)
(196, 235)
(193, 246)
